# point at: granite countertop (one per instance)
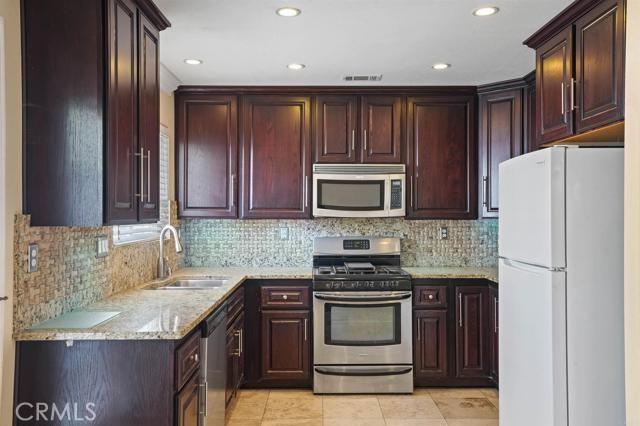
(172, 314)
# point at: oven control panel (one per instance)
(362, 285)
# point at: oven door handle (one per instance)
(387, 298)
(368, 372)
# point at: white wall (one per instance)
(632, 214)
(10, 11)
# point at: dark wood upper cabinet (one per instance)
(335, 129)
(441, 158)
(381, 129)
(207, 150)
(91, 111)
(600, 66)
(553, 83)
(472, 320)
(276, 157)
(285, 345)
(500, 139)
(430, 343)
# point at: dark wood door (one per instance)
(472, 339)
(430, 343)
(149, 117)
(500, 140)
(600, 66)
(493, 332)
(381, 129)
(207, 155)
(286, 341)
(187, 403)
(441, 159)
(123, 156)
(554, 118)
(335, 129)
(276, 166)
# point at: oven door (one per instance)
(362, 328)
(337, 195)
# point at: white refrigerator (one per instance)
(561, 343)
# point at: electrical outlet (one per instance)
(444, 233)
(284, 233)
(102, 246)
(33, 258)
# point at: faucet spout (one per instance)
(162, 268)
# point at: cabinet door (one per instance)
(500, 140)
(442, 153)
(472, 319)
(493, 300)
(554, 119)
(285, 345)
(381, 129)
(239, 374)
(187, 403)
(335, 129)
(149, 117)
(207, 150)
(276, 167)
(531, 142)
(123, 156)
(430, 343)
(233, 354)
(600, 66)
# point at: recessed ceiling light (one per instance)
(486, 11)
(296, 66)
(288, 12)
(193, 61)
(441, 66)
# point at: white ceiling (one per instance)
(244, 42)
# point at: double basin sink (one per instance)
(190, 283)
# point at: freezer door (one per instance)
(532, 208)
(532, 346)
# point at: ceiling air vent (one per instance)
(363, 77)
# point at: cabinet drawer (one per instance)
(282, 297)
(187, 359)
(235, 305)
(430, 296)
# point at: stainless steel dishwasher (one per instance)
(213, 370)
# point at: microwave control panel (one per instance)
(396, 194)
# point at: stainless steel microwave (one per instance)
(358, 190)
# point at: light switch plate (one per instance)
(284, 233)
(444, 233)
(33, 258)
(102, 246)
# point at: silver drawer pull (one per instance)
(431, 297)
(285, 297)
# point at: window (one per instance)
(127, 234)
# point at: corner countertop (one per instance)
(173, 314)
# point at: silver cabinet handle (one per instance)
(353, 140)
(460, 309)
(430, 297)
(495, 314)
(233, 189)
(141, 194)
(241, 341)
(149, 176)
(238, 334)
(202, 398)
(418, 329)
(562, 97)
(195, 357)
(485, 191)
(411, 189)
(285, 297)
(305, 329)
(365, 141)
(306, 191)
(573, 95)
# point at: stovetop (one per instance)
(377, 278)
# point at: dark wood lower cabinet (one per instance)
(430, 344)
(472, 339)
(235, 344)
(187, 403)
(285, 345)
(493, 332)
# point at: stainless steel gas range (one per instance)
(362, 317)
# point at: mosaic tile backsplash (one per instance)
(258, 243)
(69, 274)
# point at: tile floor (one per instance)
(426, 407)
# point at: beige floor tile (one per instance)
(354, 422)
(466, 408)
(472, 422)
(456, 393)
(253, 395)
(292, 393)
(292, 422)
(408, 407)
(415, 422)
(242, 422)
(292, 407)
(490, 392)
(495, 402)
(247, 410)
(362, 407)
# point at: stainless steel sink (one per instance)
(192, 283)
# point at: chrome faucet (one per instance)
(163, 270)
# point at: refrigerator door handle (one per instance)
(528, 267)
